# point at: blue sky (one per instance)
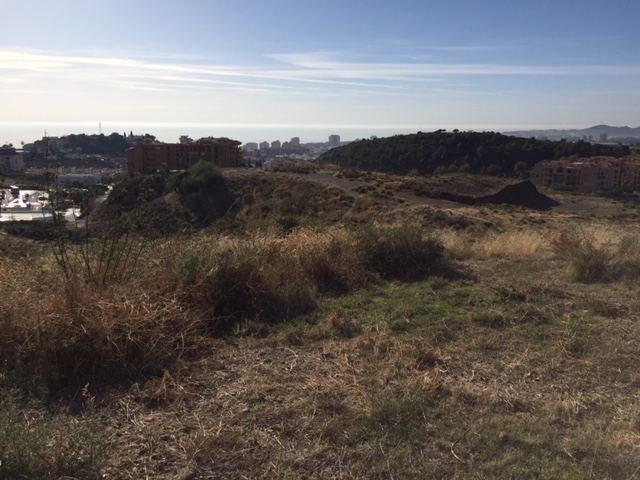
(405, 65)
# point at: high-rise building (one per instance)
(295, 141)
(334, 140)
(276, 144)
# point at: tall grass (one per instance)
(80, 320)
(268, 277)
(516, 245)
(594, 260)
(400, 251)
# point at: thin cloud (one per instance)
(146, 88)
(321, 64)
(285, 71)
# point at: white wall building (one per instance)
(78, 179)
(10, 159)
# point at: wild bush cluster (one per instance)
(119, 306)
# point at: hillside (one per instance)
(335, 324)
(470, 152)
(612, 132)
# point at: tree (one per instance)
(520, 167)
(493, 170)
(203, 190)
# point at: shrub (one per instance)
(401, 251)
(625, 264)
(589, 261)
(287, 223)
(203, 190)
(243, 279)
(331, 260)
(267, 277)
(101, 254)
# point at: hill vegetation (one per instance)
(114, 144)
(255, 324)
(487, 153)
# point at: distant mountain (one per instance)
(612, 132)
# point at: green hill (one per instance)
(472, 152)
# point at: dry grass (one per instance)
(594, 256)
(516, 244)
(61, 330)
(509, 370)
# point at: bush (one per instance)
(234, 281)
(589, 261)
(268, 278)
(401, 251)
(288, 223)
(331, 260)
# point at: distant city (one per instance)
(81, 153)
(270, 153)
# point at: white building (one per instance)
(78, 179)
(10, 159)
(250, 147)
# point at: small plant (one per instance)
(98, 255)
(35, 445)
(287, 223)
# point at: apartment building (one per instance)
(589, 175)
(11, 160)
(151, 158)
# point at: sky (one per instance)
(313, 68)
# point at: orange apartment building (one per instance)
(589, 175)
(151, 158)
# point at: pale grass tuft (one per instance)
(516, 245)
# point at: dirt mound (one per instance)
(523, 194)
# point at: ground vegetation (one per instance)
(327, 325)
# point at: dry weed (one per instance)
(516, 245)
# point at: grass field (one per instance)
(471, 342)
